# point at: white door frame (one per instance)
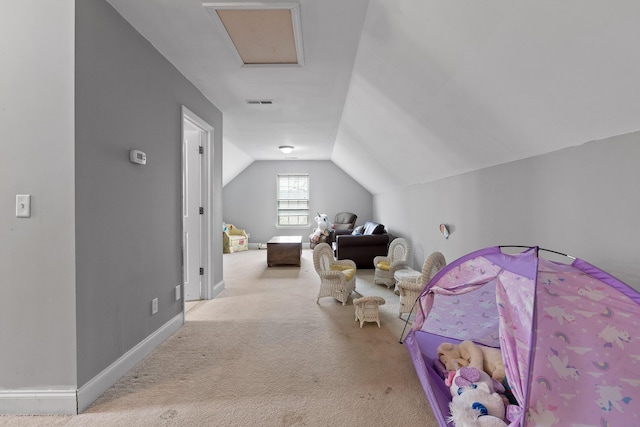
(206, 240)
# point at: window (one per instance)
(293, 200)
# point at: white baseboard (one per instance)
(38, 402)
(89, 392)
(71, 401)
(264, 245)
(217, 288)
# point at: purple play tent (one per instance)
(569, 336)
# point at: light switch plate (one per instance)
(23, 205)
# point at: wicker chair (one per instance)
(337, 277)
(367, 309)
(397, 258)
(409, 291)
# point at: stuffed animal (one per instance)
(468, 353)
(455, 356)
(474, 401)
(323, 229)
(470, 377)
(493, 363)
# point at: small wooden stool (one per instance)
(367, 309)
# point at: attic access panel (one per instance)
(260, 33)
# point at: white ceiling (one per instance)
(403, 92)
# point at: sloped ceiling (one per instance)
(444, 87)
(404, 92)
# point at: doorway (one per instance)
(196, 206)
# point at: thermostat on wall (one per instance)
(137, 156)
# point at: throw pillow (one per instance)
(384, 265)
(346, 270)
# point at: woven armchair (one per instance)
(409, 291)
(337, 277)
(386, 266)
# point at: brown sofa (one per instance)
(364, 244)
(343, 223)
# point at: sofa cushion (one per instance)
(384, 265)
(342, 226)
(371, 227)
(358, 230)
(347, 219)
(346, 270)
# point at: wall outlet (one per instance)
(178, 293)
(154, 306)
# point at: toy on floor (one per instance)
(468, 353)
(474, 401)
(323, 229)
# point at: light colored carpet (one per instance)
(263, 353)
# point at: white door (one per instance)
(192, 202)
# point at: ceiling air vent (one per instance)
(259, 101)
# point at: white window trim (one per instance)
(291, 227)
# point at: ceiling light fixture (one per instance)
(286, 149)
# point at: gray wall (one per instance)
(37, 254)
(583, 201)
(128, 217)
(249, 200)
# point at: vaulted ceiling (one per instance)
(403, 92)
